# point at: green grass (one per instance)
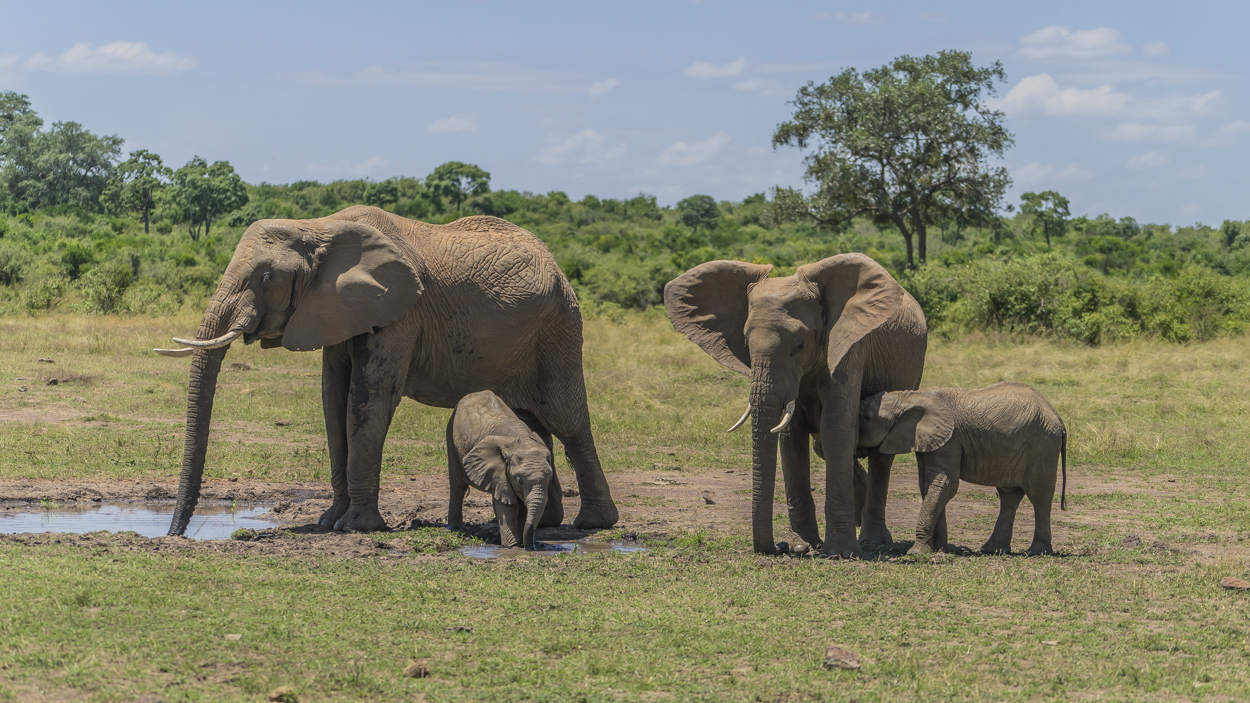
(1159, 436)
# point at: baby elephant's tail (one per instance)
(1063, 463)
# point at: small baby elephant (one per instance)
(1005, 435)
(491, 449)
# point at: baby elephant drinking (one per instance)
(1005, 435)
(491, 449)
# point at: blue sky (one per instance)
(1135, 109)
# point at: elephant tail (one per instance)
(1063, 463)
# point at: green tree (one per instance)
(457, 182)
(64, 165)
(13, 107)
(1047, 210)
(900, 144)
(203, 192)
(698, 212)
(136, 184)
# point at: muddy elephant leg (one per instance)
(1000, 540)
(336, 378)
(553, 514)
(796, 468)
(456, 479)
(941, 475)
(510, 521)
(839, 432)
(376, 389)
(1041, 499)
(874, 531)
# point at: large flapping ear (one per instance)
(487, 468)
(923, 423)
(708, 304)
(361, 282)
(858, 296)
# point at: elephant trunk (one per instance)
(765, 412)
(535, 504)
(200, 391)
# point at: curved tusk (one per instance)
(741, 420)
(217, 343)
(785, 419)
(185, 351)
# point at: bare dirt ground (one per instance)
(653, 505)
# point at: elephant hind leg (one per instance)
(1041, 500)
(1000, 540)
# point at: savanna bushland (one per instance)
(1132, 330)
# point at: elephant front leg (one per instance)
(796, 468)
(375, 392)
(874, 531)
(838, 436)
(336, 376)
(941, 484)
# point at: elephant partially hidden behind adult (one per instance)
(814, 345)
(400, 308)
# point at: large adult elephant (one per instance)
(400, 308)
(814, 344)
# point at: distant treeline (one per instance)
(133, 236)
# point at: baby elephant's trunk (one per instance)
(535, 504)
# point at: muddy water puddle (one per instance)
(148, 519)
(494, 551)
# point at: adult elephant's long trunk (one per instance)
(765, 414)
(203, 385)
(535, 504)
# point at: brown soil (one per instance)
(654, 504)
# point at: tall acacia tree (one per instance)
(901, 144)
(1048, 210)
(136, 184)
(204, 192)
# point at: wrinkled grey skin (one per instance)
(402, 308)
(1005, 435)
(835, 332)
(491, 449)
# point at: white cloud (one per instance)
(369, 166)
(1035, 173)
(587, 148)
(8, 62)
(117, 57)
(1192, 172)
(704, 69)
(1057, 42)
(1162, 133)
(1158, 48)
(600, 87)
(1042, 94)
(1233, 128)
(683, 154)
(1148, 160)
(858, 18)
(455, 123)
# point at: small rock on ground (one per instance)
(417, 670)
(1130, 542)
(46, 360)
(283, 694)
(837, 657)
(281, 422)
(708, 500)
(1233, 583)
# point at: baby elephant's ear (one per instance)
(486, 468)
(924, 423)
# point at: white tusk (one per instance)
(741, 420)
(217, 343)
(185, 351)
(785, 419)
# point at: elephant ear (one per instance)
(858, 296)
(361, 282)
(487, 468)
(925, 423)
(708, 304)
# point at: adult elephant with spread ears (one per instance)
(400, 308)
(814, 344)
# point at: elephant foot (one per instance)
(992, 547)
(331, 516)
(841, 546)
(1038, 549)
(920, 547)
(596, 515)
(361, 520)
(809, 533)
(875, 535)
